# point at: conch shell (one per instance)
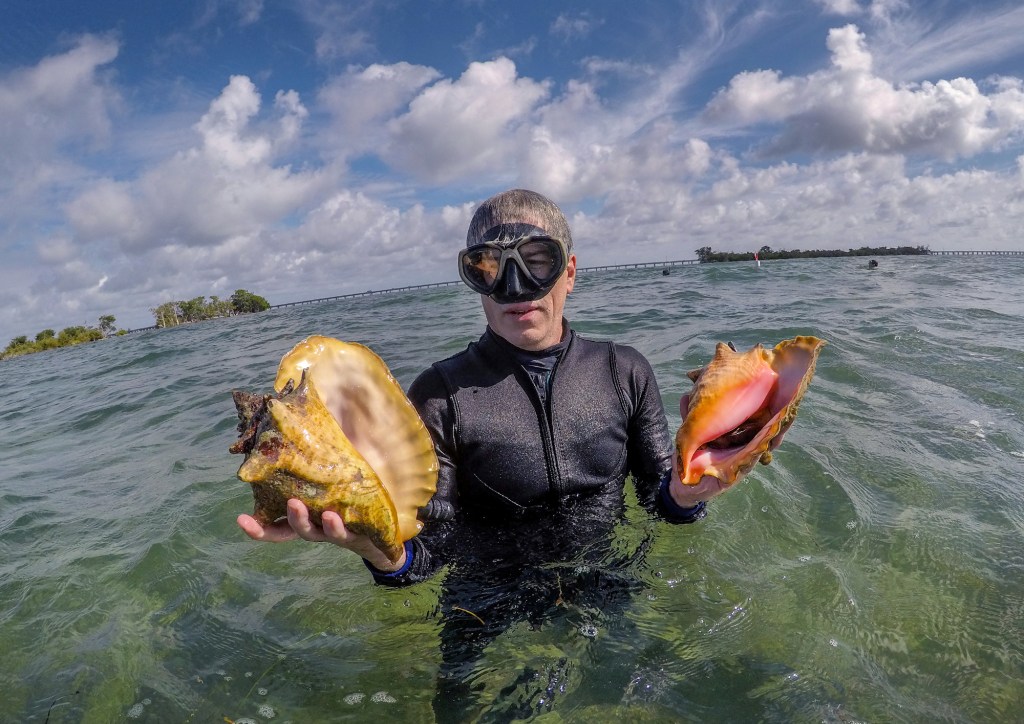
(339, 435)
(740, 406)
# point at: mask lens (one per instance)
(540, 260)
(543, 259)
(480, 268)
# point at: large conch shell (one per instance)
(740, 406)
(339, 435)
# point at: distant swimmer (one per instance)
(872, 264)
(664, 272)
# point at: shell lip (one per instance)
(727, 455)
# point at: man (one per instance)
(530, 416)
(536, 430)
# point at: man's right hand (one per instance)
(298, 524)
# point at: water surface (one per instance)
(874, 572)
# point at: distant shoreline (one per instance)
(718, 257)
(635, 265)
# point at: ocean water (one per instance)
(873, 572)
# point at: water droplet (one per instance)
(248, 674)
(267, 711)
(764, 508)
(833, 643)
(804, 559)
(147, 702)
(355, 698)
(589, 630)
(851, 524)
(382, 697)
(261, 691)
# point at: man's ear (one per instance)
(570, 273)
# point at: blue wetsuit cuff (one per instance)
(377, 573)
(675, 512)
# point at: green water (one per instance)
(874, 572)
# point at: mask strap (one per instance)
(508, 232)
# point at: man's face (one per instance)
(533, 325)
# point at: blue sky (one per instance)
(151, 152)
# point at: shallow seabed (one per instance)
(874, 572)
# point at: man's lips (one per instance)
(519, 310)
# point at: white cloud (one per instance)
(915, 46)
(64, 99)
(341, 27)
(360, 100)
(454, 129)
(848, 108)
(573, 26)
(847, 202)
(226, 186)
(841, 7)
(250, 11)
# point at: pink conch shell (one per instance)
(740, 406)
(340, 435)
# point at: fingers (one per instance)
(297, 525)
(334, 527)
(273, 533)
(302, 524)
(361, 545)
(688, 496)
(711, 486)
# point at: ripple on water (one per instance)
(874, 567)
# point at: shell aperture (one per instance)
(741, 405)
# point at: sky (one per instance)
(153, 152)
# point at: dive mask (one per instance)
(518, 269)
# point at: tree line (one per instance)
(168, 314)
(49, 339)
(171, 314)
(706, 255)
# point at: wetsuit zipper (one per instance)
(554, 471)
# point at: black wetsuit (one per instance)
(534, 451)
(507, 459)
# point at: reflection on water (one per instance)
(873, 572)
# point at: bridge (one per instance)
(976, 253)
(438, 285)
(581, 270)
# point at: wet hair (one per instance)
(519, 205)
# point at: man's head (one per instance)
(529, 249)
(518, 206)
